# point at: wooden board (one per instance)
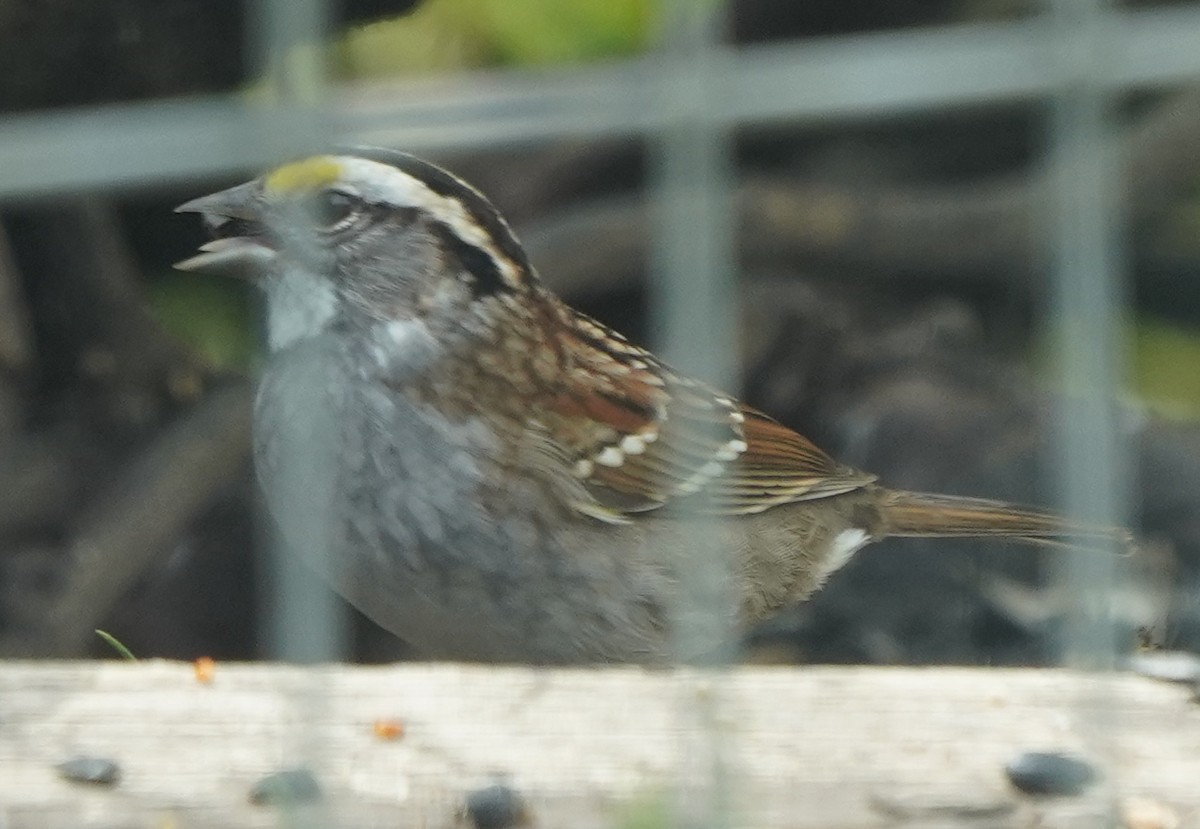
(804, 747)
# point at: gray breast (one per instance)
(381, 494)
(368, 489)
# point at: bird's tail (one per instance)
(924, 514)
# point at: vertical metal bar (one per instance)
(290, 59)
(694, 286)
(306, 623)
(692, 290)
(305, 619)
(692, 295)
(1086, 307)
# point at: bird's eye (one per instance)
(334, 209)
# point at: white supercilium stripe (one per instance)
(383, 183)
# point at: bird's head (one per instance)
(361, 236)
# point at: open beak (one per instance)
(240, 245)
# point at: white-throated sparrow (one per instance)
(492, 469)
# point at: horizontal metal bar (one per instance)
(138, 144)
(857, 76)
(1152, 49)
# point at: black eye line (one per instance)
(479, 264)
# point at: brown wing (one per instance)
(640, 436)
(780, 466)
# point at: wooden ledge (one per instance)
(402, 745)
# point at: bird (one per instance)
(493, 476)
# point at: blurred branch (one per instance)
(145, 509)
(976, 231)
(1162, 154)
(95, 326)
(105, 267)
(40, 477)
(16, 345)
(16, 337)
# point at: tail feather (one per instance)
(925, 514)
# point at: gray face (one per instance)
(387, 266)
(326, 256)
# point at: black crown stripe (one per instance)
(447, 184)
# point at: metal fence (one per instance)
(1076, 56)
(835, 78)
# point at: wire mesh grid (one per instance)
(1078, 56)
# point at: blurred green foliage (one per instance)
(1164, 365)
(436, 37)
(213, 316)
(442, 35)
(647, 810)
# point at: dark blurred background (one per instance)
(893, 273)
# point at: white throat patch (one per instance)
(300, 304)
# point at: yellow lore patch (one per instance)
(309, 174)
